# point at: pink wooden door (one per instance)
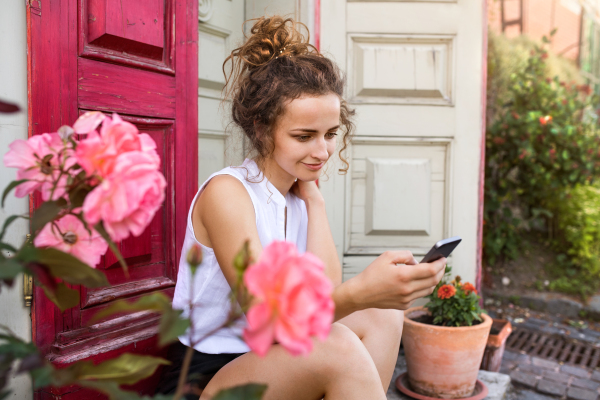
(128, 57)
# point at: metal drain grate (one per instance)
(554, 347)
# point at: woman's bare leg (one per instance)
(339, 368)
(380, 331)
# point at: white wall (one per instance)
(13, 88)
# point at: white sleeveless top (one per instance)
(210, 289)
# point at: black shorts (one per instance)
(202, 368)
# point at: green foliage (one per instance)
(171, 325)
(543, 139)
(578, 222)
(460, 305)
(251, 391)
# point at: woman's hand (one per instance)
(383, 284)
(307, 191)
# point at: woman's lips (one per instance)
(314, 167)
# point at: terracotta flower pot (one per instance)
(443, 361)
(494, 350)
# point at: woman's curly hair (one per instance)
(274, 65)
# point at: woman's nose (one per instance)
(320, 151)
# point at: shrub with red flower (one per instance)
(454, 303)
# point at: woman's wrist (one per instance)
(315, 201)
(347, 298)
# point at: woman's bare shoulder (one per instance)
(224, 194)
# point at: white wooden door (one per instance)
(415, 73)
(220, 31)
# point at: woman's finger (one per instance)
(399, 257)
(425, 271)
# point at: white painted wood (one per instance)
(219, 32)
(388, 211)
(400, 69)
(408, 108)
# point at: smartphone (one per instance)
(443, 248)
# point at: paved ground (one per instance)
(551, 378)
(532, 378)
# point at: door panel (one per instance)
(415, 73)
(125, 90)
(132, 33)
(114, 56)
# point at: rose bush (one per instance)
(104, 188)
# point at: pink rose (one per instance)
(98, 152)
(68, 234)
(128, 198)
(126, 164)
(294, 297)
(38, 160)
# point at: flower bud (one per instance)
(194, 257)
(65, 132)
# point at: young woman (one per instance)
(287, 99)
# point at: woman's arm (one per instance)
(319, 240)
(394, 280)
(224, 217)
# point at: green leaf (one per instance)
(10, 269)
(171, 324)
(61, 295)
(114, 392)
(42, 377)
(100, 229)
(7, 223)
(250, 391)
(64, 266)
(10, 187)
(126, 369)
(77, 196)
(7, 247)
(46, 213)
(156, 302)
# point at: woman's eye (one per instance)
(330, 135)
(303, 138)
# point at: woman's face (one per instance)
(305, 135)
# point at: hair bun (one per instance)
(271, 38)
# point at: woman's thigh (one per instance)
(380, 331)
(338, 368)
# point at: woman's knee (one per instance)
(343, 350)
(388, 320)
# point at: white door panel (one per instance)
(415, 78)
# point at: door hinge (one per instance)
(35, 7)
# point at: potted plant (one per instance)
(444, 341)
